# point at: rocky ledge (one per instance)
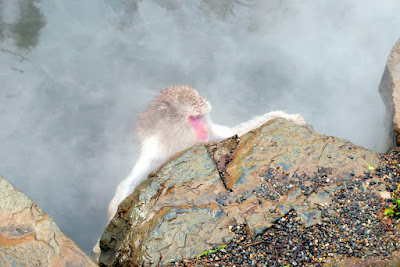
(281, 195)
(29, 237)
(389, 89)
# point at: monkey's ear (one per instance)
(163, 106)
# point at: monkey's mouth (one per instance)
(202, 135)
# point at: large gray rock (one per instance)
(187, 206)
(389, 90)
(29, 237)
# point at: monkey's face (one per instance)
(200, 127)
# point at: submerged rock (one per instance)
(279, 174)
(29, 237)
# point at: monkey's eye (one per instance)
(195, 119)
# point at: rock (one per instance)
(389, 90)
(29, 237)
(353, 261)
(172, 214)
(190, 204)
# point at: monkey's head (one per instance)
(178, 112)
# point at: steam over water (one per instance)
(75, 74)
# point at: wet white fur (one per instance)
(258, 121)
(154, 151)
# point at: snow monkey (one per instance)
(177, 119)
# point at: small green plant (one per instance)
(395, 209)
(211, 251)
(370, 167)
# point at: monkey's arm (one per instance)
(147, 162)
(219, 132)
(260, 120)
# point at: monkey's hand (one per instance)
(293, 118)
(113, 206)
(296, 119)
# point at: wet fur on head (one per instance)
(172, 107)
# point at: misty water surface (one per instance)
(74, 75)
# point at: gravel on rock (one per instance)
(352, 225)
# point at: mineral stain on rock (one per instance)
(15, 235)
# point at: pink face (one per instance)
(199, 126)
